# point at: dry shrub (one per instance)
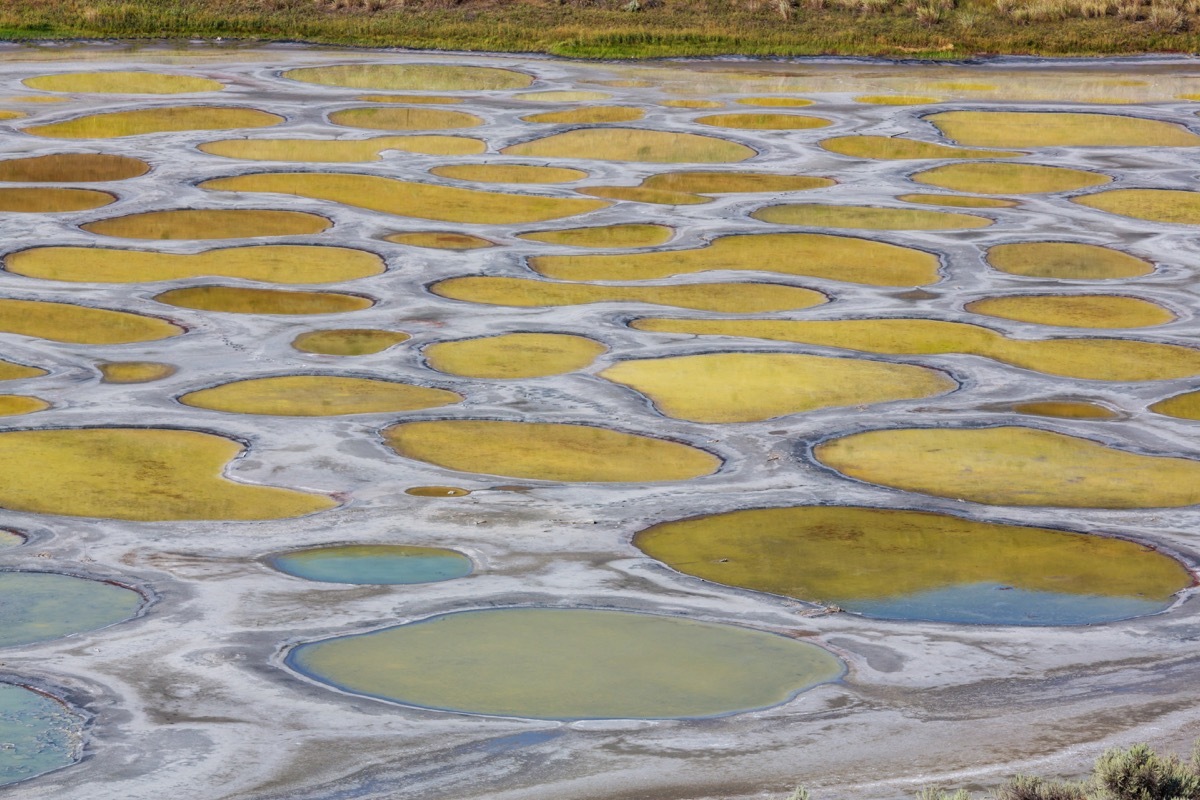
(1130, 10)
(1167, 18)
(1028, 787)
(929, 13)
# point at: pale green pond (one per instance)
(39, 606)
(38, 734)
(570, 664)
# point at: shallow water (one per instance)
(749, 387)
(1065, 409)
(209, 223)
(122, 82)
(348, 341)
(1075, 311)
(374, 564)
(317, 396)
(914, 565)
(547, 451)
(440, 240)
(65, 322)
(512, 356)
(288, 264)
(348, 151)
(570, 664)
(1002, 178)
(869, 218)
(52, 201)
(957, 201)
(1014, 466)
(1158, 205)
(1054, 129)
(117, 124)
(436, 491)
(587, 116)
(40, 606)
(732, 298)
(632, 235)
(634, 144)
(136, 474)
(72, 168)
(417, 200)
(399, 118)
(13, 405)
(819, 255)
(1066, 261)
(764, 122)
(1098, 359)
(512, 173)
(411, 77)
(239, 300)
(40, 733)
(135, 371)
(897, 148)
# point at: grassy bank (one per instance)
(641, 28)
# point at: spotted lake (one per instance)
(461, 426)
